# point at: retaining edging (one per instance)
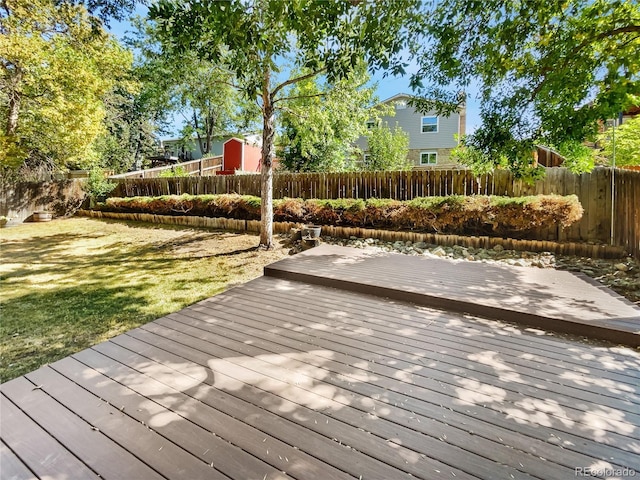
(562, 248)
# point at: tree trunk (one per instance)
(14, 103)
(200, 142)
(266, 169)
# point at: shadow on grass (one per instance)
(63, 292)
(65, 320)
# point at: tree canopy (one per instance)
(56, 67)
(187, 84)
(323, 121)
(547, 71)
(388, 149)
(255, 38)
(626, 141)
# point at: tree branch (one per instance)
(601, 36)
(282, 99)
(296, 80)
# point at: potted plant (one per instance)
(311, 231)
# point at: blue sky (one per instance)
(386, 87)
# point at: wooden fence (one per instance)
(593, 189)
(201, 167)
(19, 200)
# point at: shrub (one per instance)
(178, 171)
(98, 186)
(453, 214)
(288, 210)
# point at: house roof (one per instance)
(407, 96)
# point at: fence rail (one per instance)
(593, 189)
(201, 167)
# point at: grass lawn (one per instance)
(69, 284)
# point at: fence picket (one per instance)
(593, 191)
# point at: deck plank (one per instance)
(170, 422)
(380, 390)
(305, 371)
(465, 431)
(92, 447)
(227, 429)
(249, 404)
(405, 375)
(622, 396)
(11, 467)
(378, 457)
(168, 459)
(465, 330)
(492, 332)
(40, 452)
(556, 300)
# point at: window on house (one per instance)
(429, 124)
(366, 159)
(371, 124)
(401, 105)
(428, 158)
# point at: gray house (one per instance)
(431, 137)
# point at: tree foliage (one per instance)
(187, 84)
(626, 139)
(104, 10)
(255, 37)
(388, 149)
(56, 67)
(322, 122)
(132, 122)
(547, 71)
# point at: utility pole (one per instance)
(614, 123)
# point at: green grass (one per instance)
(69, 284)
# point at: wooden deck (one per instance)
(554, 300)
(281, 379)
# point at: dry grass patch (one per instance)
(69, 284)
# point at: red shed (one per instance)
(239, 155)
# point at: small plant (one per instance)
(174, 172)
(98, 186)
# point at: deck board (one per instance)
(289, 378)
(417, 374)
(556, 300)
(92, 447)
(437, 387)
(482, 441)
(301, 436)
(448, 336)
(12, 466)
(405, 429)
(28, 440)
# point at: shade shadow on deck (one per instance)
(559, 301)
(283, 379)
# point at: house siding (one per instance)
(442, 141)
(172, 147)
